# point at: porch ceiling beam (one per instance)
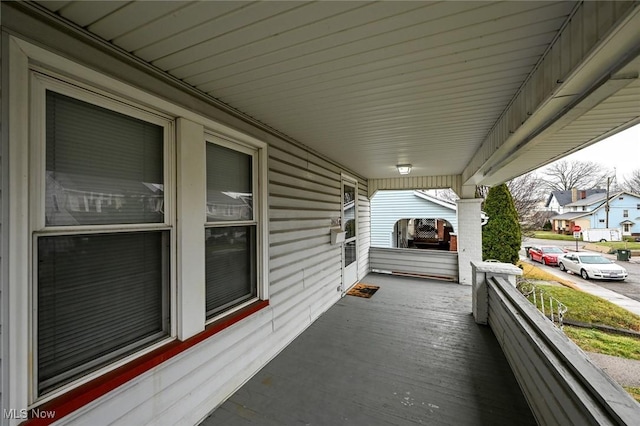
(583, 66)
(416, 182)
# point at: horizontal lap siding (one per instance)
(387, 207)
(304, 198)
(555, 391)
(304, 277)
(431, 263)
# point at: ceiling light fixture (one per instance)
(404, 169)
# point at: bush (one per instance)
(547, 226)
(501, 236)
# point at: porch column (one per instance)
(469, 237)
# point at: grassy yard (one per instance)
(586, 308)
(634, 392)
(534, 273)
(605, 343)
(621, 245)
(548, 235)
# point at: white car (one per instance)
(591, 265)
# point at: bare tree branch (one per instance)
(565, 175)
(632, 183)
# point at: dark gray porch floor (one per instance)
(411, 354)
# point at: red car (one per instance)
(547, 255)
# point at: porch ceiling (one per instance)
(369, 85)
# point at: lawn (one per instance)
(592, 340)
(586, 308)
(634, 392)
(548, 235)
(621, 245)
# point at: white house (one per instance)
(171, 173)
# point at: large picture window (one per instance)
(231, 229)
(102, 247)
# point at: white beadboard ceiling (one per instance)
(368, 84)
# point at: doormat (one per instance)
(363, 290)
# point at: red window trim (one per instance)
(90, 391)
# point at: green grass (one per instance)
(592, 340)
(531, 272)
(584, 307)
(634, 392)
(621, 245)
(548, 235)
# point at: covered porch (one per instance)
(411, 354)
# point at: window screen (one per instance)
(229, 184)
(102, 167)
(104, 295)
(100, 297)
(230, 250)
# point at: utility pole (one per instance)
(606, 206)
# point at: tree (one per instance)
(501, 236)
(632, 183)
(566, 175)
(526, 194)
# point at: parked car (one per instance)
(547, 255)
(592, 265)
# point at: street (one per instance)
(629, 287)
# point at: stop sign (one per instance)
(577, 228)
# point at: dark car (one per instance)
(547, 255)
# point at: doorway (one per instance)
(350, 223)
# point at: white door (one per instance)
(350, 225)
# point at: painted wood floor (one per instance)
(410, 355)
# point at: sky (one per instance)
(621, 151)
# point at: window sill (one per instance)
(83, 395)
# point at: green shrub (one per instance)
(501, 236)
(547, 226)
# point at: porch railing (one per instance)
(560, 383)
(424, 263)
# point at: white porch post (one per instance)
(469, 237)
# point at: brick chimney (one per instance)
(583, 194)
(574, 195)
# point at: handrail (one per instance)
(600, 399)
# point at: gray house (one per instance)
(233, 139)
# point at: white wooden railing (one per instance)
(436, 264)
(560, 383)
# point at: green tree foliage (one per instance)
(501, 236)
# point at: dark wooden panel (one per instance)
(409, 355)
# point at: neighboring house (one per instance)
(558, 200)
(591, 212)
(394, 215)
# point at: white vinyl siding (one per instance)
(300, 203)
(387, 207)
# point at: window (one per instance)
(625, 213)
(231, 230)
(601, 220)
(102, 240)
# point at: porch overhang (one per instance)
(456, 89)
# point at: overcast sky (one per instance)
(621, 151)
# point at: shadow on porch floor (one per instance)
(411, 354)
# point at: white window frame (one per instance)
(23, 57)
(258, 174)
(40, 83)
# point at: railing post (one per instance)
(481, 272)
